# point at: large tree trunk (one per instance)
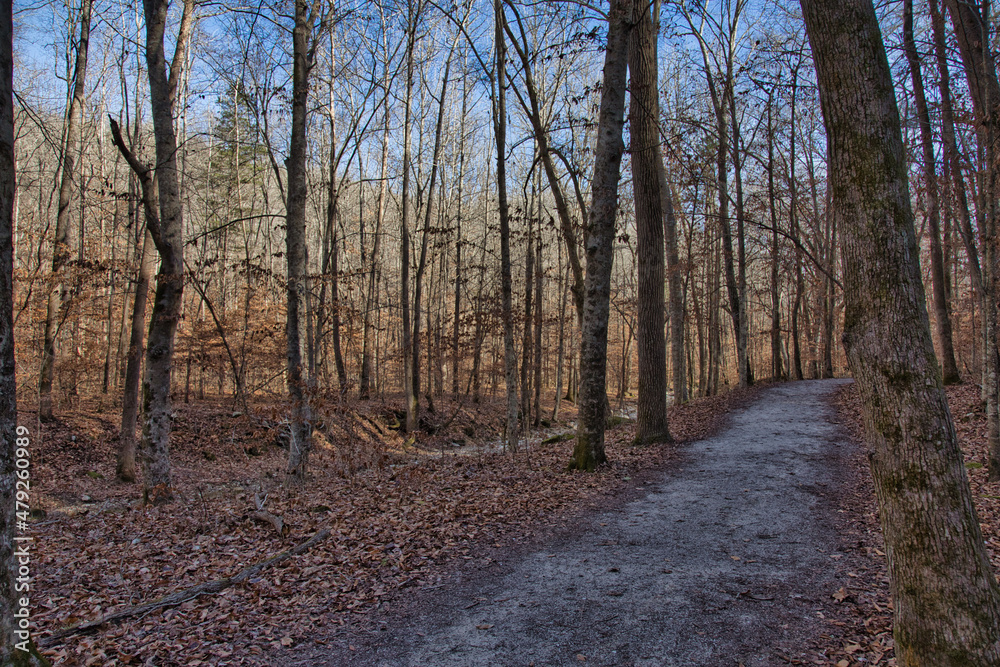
(647, 167)
(589, 450)
(945, 597)
(981, 73)
(168, 235)
(16, 647)
(500, 127)
(60, 291)
(942, 314)
(299, 442)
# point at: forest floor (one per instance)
(408, 522)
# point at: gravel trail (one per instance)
(728, 559)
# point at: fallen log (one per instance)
(180, 597)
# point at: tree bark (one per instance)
(14, 440)
(364, 390)
(527, 338)
(409, 390)
(59, 293)
(589, 450)
(500, 127)
(167, 234)
(942, 314)
(647, 167)
(299, 443)
(984, 87)
(777, 371)
(678, 315)
(945, 597)
(125, 469)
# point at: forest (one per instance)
(280, 275)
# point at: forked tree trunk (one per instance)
(59, 291)
(589, 450)
(647, 167)
(168, 235)
(945, 597)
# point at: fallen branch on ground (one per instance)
(180, 597)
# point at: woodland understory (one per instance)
(402, 519)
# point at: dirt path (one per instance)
(729, 559)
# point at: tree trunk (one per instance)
(945, 597)
(456, 329)
(742, 328)
(980, 70)
(168, 235)
(589, 450)
(537, 354)
(942, 314)
(647, 167)
(364, 390)
(776, 368)
(409, 391)
(16, 647)
(299, 443)
(425, 234)
(527, 338)
(500, 127)
(133, 364)
(59, 292)
(678, 315)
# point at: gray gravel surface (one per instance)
(727, 557)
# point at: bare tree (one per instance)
(59, 294)
(942, 311)
(588, 452)
(167, 232)
(304, 43)
(647, 167)
(500, 131)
